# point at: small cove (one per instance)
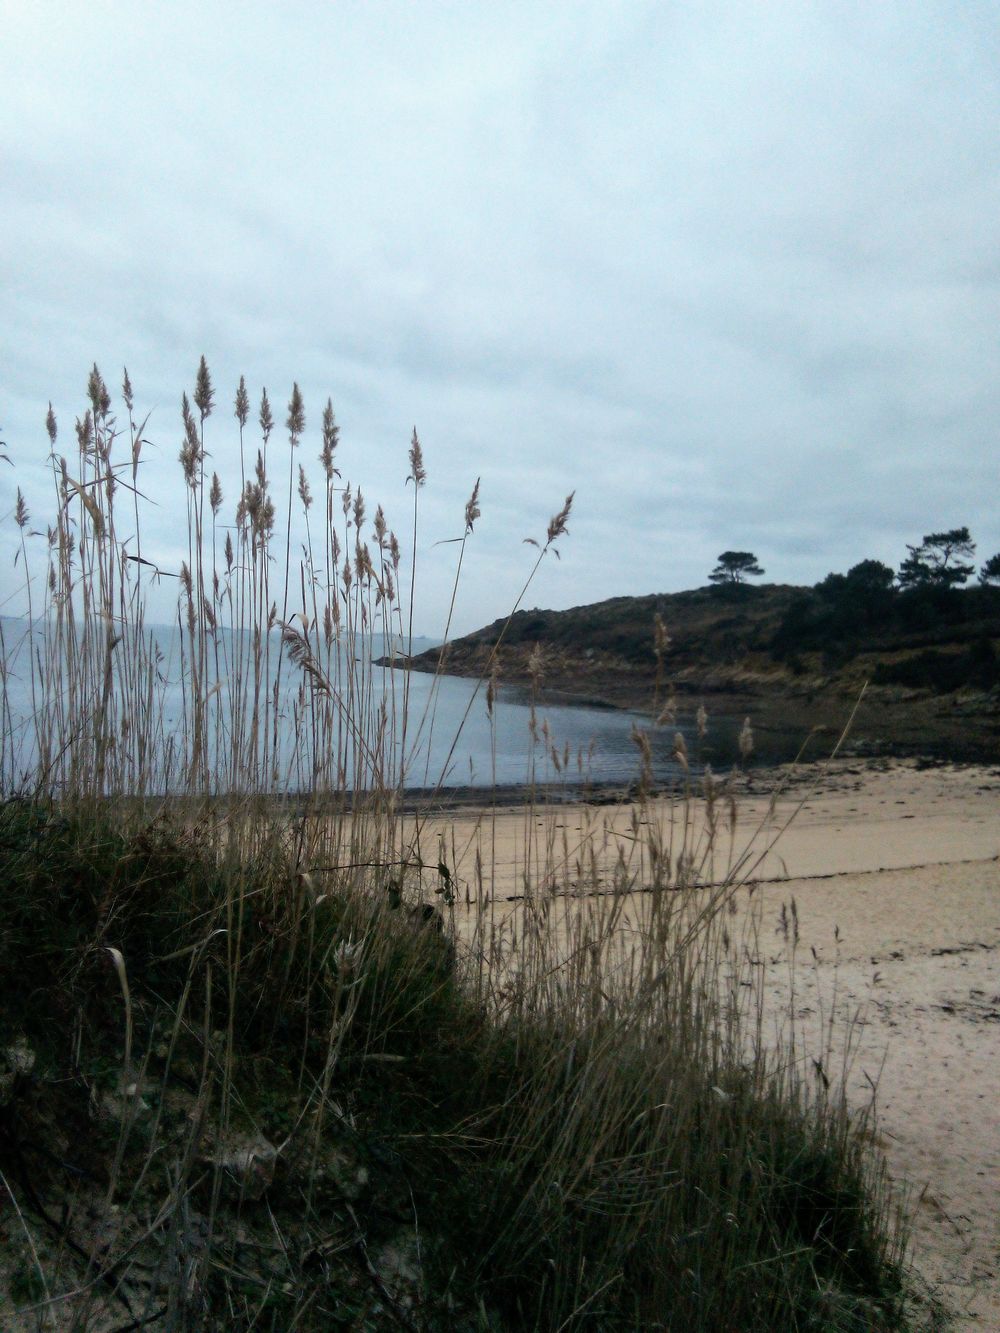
(452, 739)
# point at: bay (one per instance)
(451, 738)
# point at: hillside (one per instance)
(794, 658)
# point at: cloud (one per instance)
(732, 273)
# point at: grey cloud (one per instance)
(731, 273)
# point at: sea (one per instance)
(453, 739)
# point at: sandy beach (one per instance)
(894, 872)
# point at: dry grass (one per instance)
(271, 1084)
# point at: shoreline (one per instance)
(755, 779)
(787, 715)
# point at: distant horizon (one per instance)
(230, 629)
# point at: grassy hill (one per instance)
(929, 659)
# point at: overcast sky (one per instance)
(730, 271)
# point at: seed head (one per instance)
(97, 392)
(640, 740)
(472, 510)
(536, 665)
(190, 454)
(557, 524)
(204, 395)
(85, 432)
(242, 404)
(265, 418)
(331, 436)
(21, 510)
(661, 639)
(50, 425)
(266, 525)
(215, 494)
(362, 561)
(253, 500)
(127, 389)
(305, 495)
(296, 422)
(418, 474)
(668, 713)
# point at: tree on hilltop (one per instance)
(939, 561)
(869, 578)
(990, 572)
(734, 567)
(865, 592)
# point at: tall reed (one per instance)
(346, 1069)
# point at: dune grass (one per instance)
(263, 1065)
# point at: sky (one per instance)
(729, 272)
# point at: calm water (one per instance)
(451, 739)
(592, 744)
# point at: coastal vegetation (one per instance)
(942, 560)
(735, 567)
(265, 1063)
(926, 655)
